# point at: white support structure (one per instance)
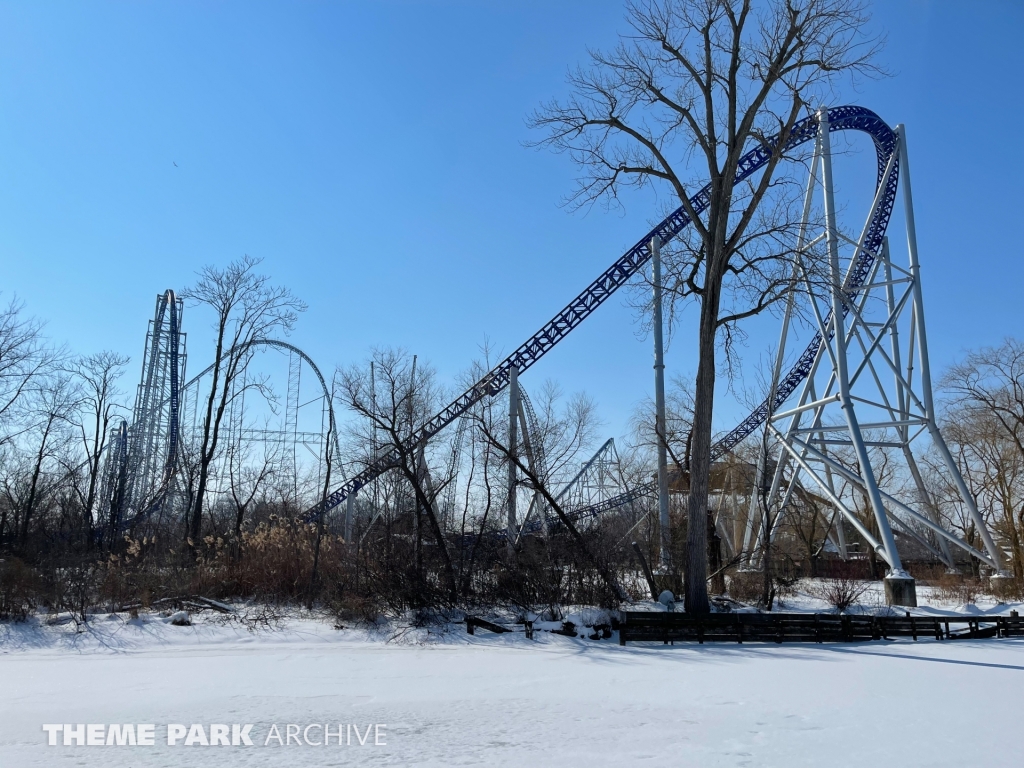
(513, 447)
(856, 421)
(525, 443)
(665, 552)
(349, 517)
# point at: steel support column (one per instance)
(659, 409)
(513, 440)
(839, 344)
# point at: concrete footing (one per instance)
(901, 589)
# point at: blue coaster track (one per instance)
(847, 118)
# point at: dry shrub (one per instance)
(955, 588)
(275, 562)
(840, 592)
(1008, 590)
(18, 586)
(70, 583)
(262, 617)
(746, 586)
(786, 586)
(128, 579)
(350, 609)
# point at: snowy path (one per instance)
(505, 701)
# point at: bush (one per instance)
(840, 592)
(18, 585)
(955, 588)
(1011, 590)
(746, 586)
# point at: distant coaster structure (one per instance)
(147, 455)
(143, 455)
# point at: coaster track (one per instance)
(618, 274)
(152, 409)
(146, 455)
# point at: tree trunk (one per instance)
(1015, 546)
(37, 470)
(206, 451)
(239, 518)
(767, 581)
(314, 575)
(696, 586)
(196, 521)
(414, 472)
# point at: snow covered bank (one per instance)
(451, 699)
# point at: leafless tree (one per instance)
(97, 376)
(992, 380)
(561, 434)
(250, 468)
(246, 308)
(25, 358)
(993, 467)
(53, 410)
(678, 423)
(391, 398)
(984, 421)
(693, 86)
(329, 459)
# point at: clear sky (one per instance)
(371, 153)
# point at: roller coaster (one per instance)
(868, 334)
(147, 458)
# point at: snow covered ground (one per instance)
(451, 699)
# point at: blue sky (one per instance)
(371, 154)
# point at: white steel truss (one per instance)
(869, 388)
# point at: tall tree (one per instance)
(706, 81)
(25, 359)
(54, 409)
(985, 417)
(993, 466)
(550, 454)
(391, 399)
(246, 308)
(97, 376)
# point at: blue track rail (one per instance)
(618, 274)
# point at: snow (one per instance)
(451, 699)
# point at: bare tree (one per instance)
(559, 435)
(992, 380)
(24, 359)
(541, 485)
(392, 397)
(97, 375)
(707, 80)
(994, 469)
(54, 410)
(246, 308)
(984, 419)
(329, 459)
(249, 472)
